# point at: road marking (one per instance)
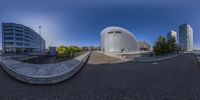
(154, 63)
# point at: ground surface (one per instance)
(106, 78)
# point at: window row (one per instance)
(114, 32)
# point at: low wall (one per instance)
(43, 73)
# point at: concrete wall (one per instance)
(43, 73)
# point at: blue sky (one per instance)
(79, 22)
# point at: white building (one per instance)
(172, 34)
(186, 37)
(17, 38)
(118, 40)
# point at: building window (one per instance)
(19, 34)
(8, 43)
(8, 38)
(19, 39)
(26, 44)
(18, 27)
(8, 29)
(8, 33)
(19, 30)
(118, 32)
(110, 32)
(19, 44)
(9, 50)
(26, 40)
(27, 32)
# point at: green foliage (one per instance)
(171, 43)
(74, 49)
(63, 51)
(162, 46)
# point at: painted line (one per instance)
(154, 63)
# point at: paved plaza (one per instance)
(106, 78)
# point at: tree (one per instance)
(62, 51)
(73, 49)
(171, 43)
(160, 46)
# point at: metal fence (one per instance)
(43, 59)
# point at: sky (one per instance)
(79, 22)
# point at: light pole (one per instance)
(40, 38)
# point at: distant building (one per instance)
(99, 48)
(92, 48)
(172, 34)
(84, 48)
(186, 37)
(17, 38)
(52, 51)
(144, 45)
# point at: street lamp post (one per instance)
(40, 38)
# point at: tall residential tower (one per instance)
(186, 37)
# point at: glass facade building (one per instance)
(186, 37)
(17, 38)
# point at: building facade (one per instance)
(186, 37)
(144, 46)
(172, 34)
(17, 38)
(118, 40)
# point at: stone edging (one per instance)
(150, 60)
(47, 79)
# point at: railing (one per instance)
(45, 59)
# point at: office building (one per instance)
(17, 38)
(186, 37)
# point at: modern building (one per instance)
(144, 46)
(52, 51)
(118, 40)
(17, 38)
(172, 34)
(186, 37)
(92, 48)
(85, 48)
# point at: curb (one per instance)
(48, 79)
(150, 60)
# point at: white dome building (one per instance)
(118, 40)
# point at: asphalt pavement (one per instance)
(107, 78)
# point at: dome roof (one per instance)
(116, 28)
(118, 40)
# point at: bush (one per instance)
(73, 49)
(64, 51)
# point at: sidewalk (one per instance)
(154, 59)
(197, 55)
